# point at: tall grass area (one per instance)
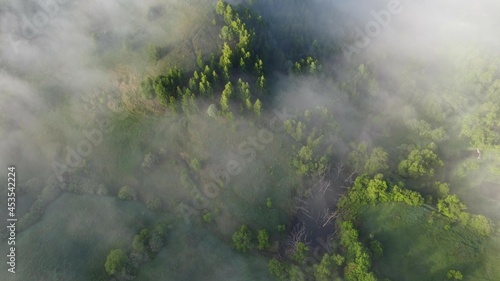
(74, 237)
(419, 245)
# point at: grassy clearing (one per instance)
(74, 237)
(193, 253)
(418, 247)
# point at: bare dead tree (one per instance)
(328, 216)
(303, 207)
(298, 235)
(349, 179)
(340, 167)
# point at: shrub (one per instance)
(149, 160)
(454, 275)
(116, 262)
(481, 224)
(207, 217)
(127, 193)
(269, 203)
(263, 240)
(242, 239)
(155, 243)
(154, 204)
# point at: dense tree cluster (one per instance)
(124, 264)
(420, 163)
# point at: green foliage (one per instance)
(141, 240)
(296, 274)
(207, 217)
(195, 164)
(420, 162)
(116, 262)
(424, 129)
(278, 269)
(226, 96)
(323, 270)
(225, 61)
(308, 65)
(269, 203)
(220, 8)
(450, 206)
(154, 204)
(454, 275)
(481, 224)
(281, 228)
(300, 253)
(443, 189)
(166, 87)
(242, 239)
(150, 159)
(377, 162)
(263, 240)
(155, 243)
(154, 53)
(338, 259)
(146, 89)
(376, 249)
(482, 125)
(199, 60)
(127, 193)
(257, 107)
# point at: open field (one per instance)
(417, 247)
(193, 253)
(74, 237)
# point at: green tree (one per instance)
(257, 107)
(155, 243)
(199, 60)
(300, 253)
(338, 259)
(377, 162)
(225, 61)
(147, 90)
(451, 206)
(263, 240)
(141, 240)
(481, 224)
(154, 204)
(323, 270)
(269, 203)
(242, 239)
(278, 269)
(220, 8)
(296, 274)
(369, 163)
(420, 162)
(443, 189)
(207, 217)
(195, 164)
(454, 275)
(376, 249)
(116, 262)
(127, 193)
(226, 96)
(482, 125)
(154, 53)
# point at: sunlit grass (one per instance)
(418, 247)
